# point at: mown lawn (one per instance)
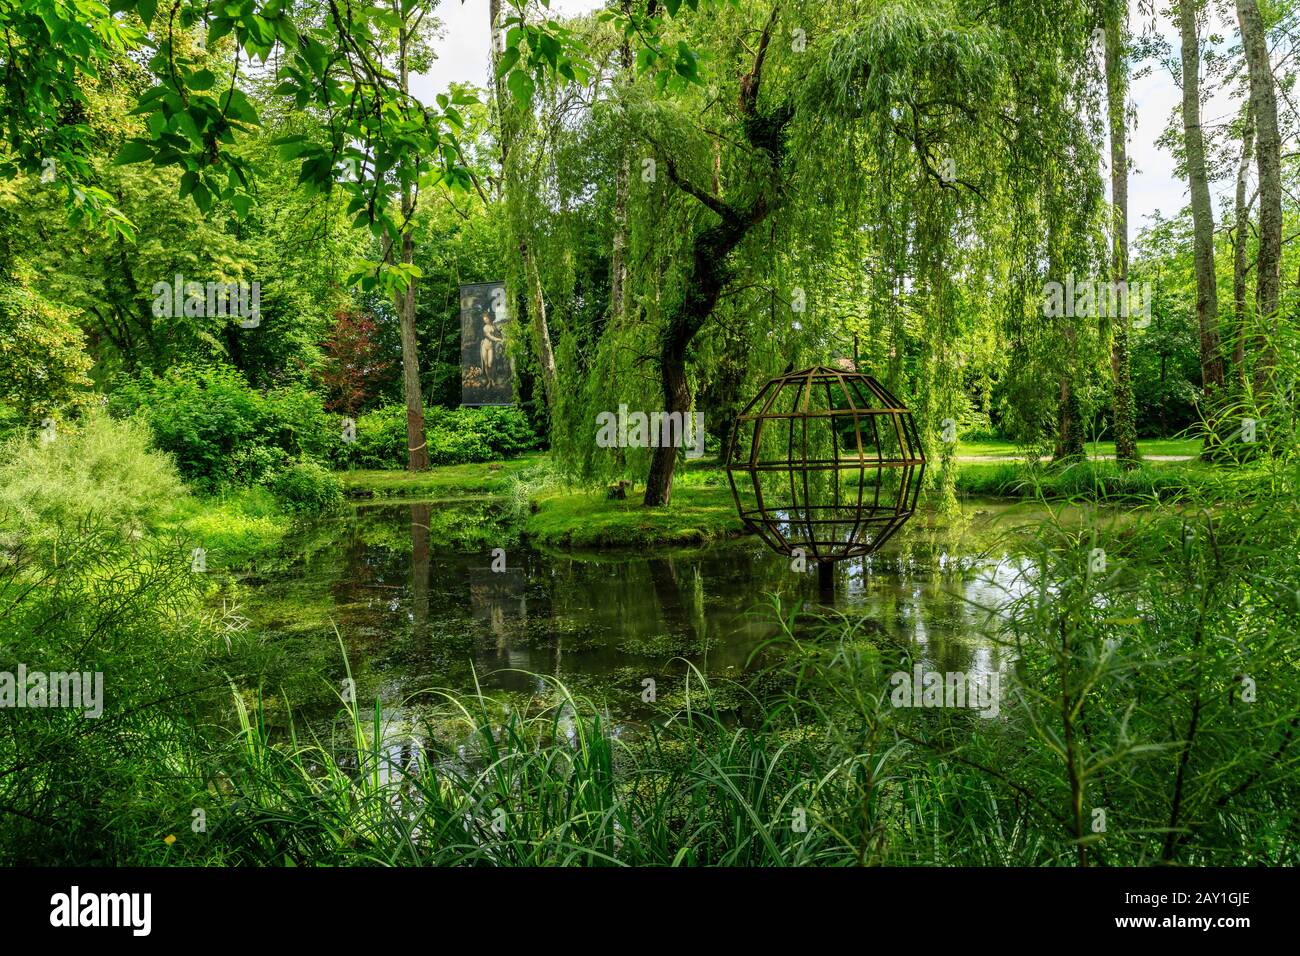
(1188, 447)
(478, 478)
(699, 512)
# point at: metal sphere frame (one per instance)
(773, 461)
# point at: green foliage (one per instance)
(306, 487)
(455, 436)
(239, 528)
(89, 789)
(219, 429)
(96, 471)
(43, 362)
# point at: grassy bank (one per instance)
(824, 766)
(1156, 448)
(448, 481)
(701, 510)
(1095, 480)
(554, 514)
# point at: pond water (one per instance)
(415, 615)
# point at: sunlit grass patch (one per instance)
(697, 513)
(444, 481)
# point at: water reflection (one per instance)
(416, 615)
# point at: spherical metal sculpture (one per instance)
(826, 464)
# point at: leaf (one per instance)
(507, 62)
(201, 80)
(133, 151)
(218, 28)
(202, 198)
(239, 108)
(521, 87)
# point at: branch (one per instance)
(724, 210)
(750, 83)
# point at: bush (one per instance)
(99, 469)
(201, 416)
(455, 436)
(221, 430)
(306, 487)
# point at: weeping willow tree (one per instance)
(887, 181)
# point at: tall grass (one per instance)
(1127, 736)
(1151, 717)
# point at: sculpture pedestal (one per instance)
(826, 580)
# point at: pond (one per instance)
(415, 615)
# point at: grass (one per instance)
(1189, 447)
(554, 515)
(1093, 480)
(235, 529)
(480, 478)
(698, 513)
(701, 510)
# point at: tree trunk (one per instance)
(1069, 430)
(1240, 318)
(1122, 410)
(532, 278)
(417, 449)
(623, 177)
(710, 268)
(1207, 300)
(1268, 264)
(541, 331)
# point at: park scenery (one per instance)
(649, 433)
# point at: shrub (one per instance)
(258, 464)
(222, 430)
(98, 469)
(297, 423)
(202, 416)
(381, 439)
(306, 487)
(455, 436)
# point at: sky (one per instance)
(463, 51)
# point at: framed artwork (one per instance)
(486, 373)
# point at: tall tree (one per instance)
(1122, 410)
(709, 270)
(1263, 104)
(1207, 299)
(410, 16)
(509, 119)
(1241, 209)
